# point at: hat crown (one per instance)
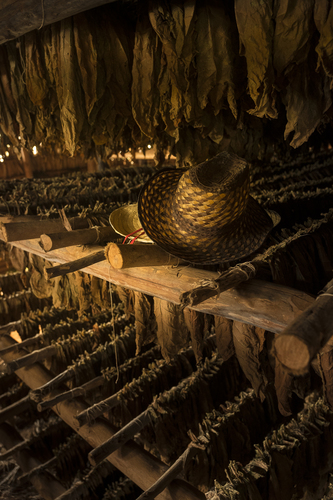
(213, 192)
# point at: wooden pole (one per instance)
(45, 483)
(78, 237)
(180, 466)
(301, 340)
(120, 438)
(15, 409)
(138, 255)
(21, 16)
(136, 463)
(33, 357)
(75, 265)
(256, 302)
(18, 231)
(98, 409)
(73, 393)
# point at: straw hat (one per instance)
(204, 215)
(125, 221)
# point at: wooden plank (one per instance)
(18, 17)
(135, 462)
(256, 302)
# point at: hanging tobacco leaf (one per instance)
(37, 86)
(215, 58)
(249, 341)
(146, 68)
(224, 338)
(256, 28)
(195, 322)
(143, 322)
(69, 92)
(172, 333)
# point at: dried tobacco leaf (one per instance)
(256, 28)
(283, 386)
(249, 342)
(224, 338)
(69, 92)
(18, 87)
(215, 58)
(293, 31)
(37, 85)
(307, 98)
(146, 68)
(172, 333)
(195, 322)
(143, 323)
(325, 362)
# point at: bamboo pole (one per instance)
(78, 237)
(75, 265)
(138, 255)
(18, 231)
(135, 462)
(301, 340)
(45, 483)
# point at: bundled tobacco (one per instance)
(14, 392)
(12, 306)
(11, 283)
(123, 489)
(31, 324)
(170, 412)
(286, 452)
(89, 365)
(228, 433)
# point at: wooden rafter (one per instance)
(18, 17)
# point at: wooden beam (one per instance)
(256, 302)
(18, 17)
(135, 462)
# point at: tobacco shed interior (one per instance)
(128, 371)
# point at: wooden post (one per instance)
(75, 265)
(299, 343)
(78, 237)
(136, 463)
(18, 231)
(138, 255)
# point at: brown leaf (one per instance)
(224, 338)
(143, 324)
(195, 322)
(172, 333)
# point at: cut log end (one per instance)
(293, 353)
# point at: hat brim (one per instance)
(203, 246)
(125, 220)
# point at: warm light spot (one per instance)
(8, 146)
(1, 159)
(7, 153)
(26, 269)
(34, 150)
(19, 137)
(16, 336)
(149, 146)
